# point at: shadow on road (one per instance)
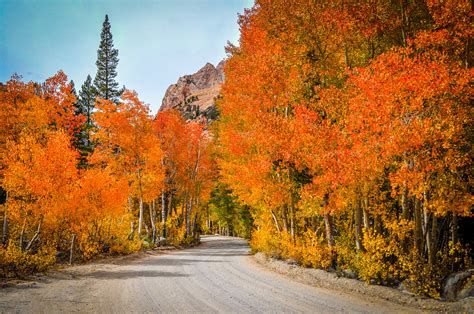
(132, 274)
(165, 261)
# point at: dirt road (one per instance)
(216, 276)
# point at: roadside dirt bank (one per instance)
(328, 280)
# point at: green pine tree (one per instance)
(85, 107)
(107, 61)
(73, 88)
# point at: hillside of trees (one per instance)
(344, 142)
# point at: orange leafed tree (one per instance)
(345, 126)
(129, 148)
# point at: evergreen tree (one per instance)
(87, 98)
(73, 88)
(85, 106)
(107, 60)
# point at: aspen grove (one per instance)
(142, 183)
(347, 127)
(344, 142)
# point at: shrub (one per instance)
(17, 262)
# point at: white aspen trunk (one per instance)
(152, 221)
(140, 216)
(276, 221)
(71, 252)
(365, 214)
(188, 216)
(140, 206)
(38, 231)
(195, 226)
(163, 213)
(132, 223)
(426, 230)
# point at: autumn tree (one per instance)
(344, 127)
(171, 131)
(189, 171)
(129, 147)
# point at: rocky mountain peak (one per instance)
(194, 95)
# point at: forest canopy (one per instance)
(344, 142)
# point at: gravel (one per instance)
(219, 275)
(330, 280)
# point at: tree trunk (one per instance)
(378, 224)
(426, 236)
(454, 229)
(358, 227)
(329, 229)
(140, 215)
(38, 231)
(418, 228)
(194, 234)
(188, 216)
(285, 219)
(365, 214)
(467, 51)
(404, 203)
(402, 9)
(346, 56)
(132, 223)
(170, 205)
(152, 221)
(71, 251)
(292, 223)
(433, 241)
(5, 222)
(276, 221)
(22, 233)
(163, 213)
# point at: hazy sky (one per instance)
(158, 41)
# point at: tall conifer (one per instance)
(107, 61)
(85, 106)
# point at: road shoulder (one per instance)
(323, 279)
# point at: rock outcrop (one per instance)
(194, 95)
(459, 285)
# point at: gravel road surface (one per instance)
(217, 276)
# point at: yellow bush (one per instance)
(264, 240)
(314, 252)
(17, 261)
(125, 246)
(310, 250)
(175, 234)
(425, 280)
(379, 260)
(89, 249)
(384, 255)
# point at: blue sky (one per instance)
(158, 41)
